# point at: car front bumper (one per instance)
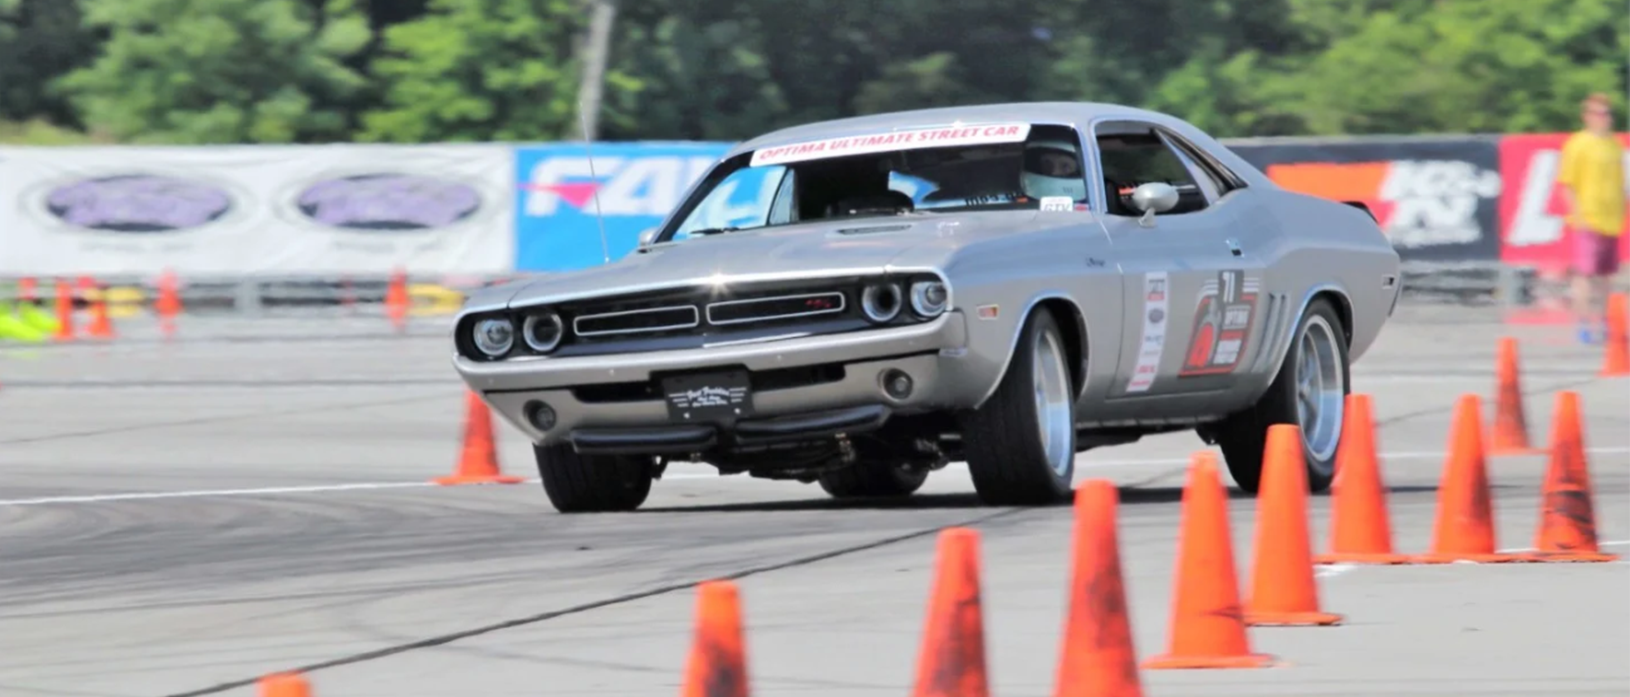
(812, 386)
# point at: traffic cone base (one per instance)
(1291, 619)
(1470, 558)
(1250, 660)
(1360, 558)
(1577, 557)
(457, 479)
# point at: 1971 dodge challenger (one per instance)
(1003, 285)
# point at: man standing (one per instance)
(1592, 179)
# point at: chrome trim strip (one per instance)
(842, 305)
(694, 321)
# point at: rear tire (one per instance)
(1317, 357)
(1020, 445)
(579, 483)
(872, 479)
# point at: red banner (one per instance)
(1532, 228)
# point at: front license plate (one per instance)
(708, 396)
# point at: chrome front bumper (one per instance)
(854, 401)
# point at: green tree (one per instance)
(221, 71)
(40, 40)
(484, 70)
(1415, 66)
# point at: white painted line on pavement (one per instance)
(363, 486)
(97, 498)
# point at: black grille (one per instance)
(780, 307)
(636, 321)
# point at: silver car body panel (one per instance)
(1257, 256)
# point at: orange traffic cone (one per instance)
(1360, 527)
(65, 312)
(1207, 629)
(951, 662)
(478, 463)
(1464, 530)
(1509, 435)
(1284, 591)
(284, 685)
(168, 304)
(717, 666)
(1616, 362)
(1099, 660)
(396, 300)
(1567, 526)
(100, 326)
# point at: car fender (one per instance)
(1014, 328)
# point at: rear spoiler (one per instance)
(1360, 205)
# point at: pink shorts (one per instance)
(1594, 254)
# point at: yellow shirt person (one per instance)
(1592, 176)
(1593, 166)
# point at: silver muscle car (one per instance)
(1002, 285)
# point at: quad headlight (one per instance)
(494, 336)
(543, 331)
(929, 298)
(881, 302)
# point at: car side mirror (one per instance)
(1152, 198)
(648, 236)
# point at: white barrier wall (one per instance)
(355, 209)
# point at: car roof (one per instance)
(1074, 113)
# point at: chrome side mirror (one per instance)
(648, 236)
(1152, 198)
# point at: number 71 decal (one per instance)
(1222, 325)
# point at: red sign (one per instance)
(1532, 227)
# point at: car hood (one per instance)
(860, 245)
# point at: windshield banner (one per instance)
(938, 137)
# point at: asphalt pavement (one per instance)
(178, 518)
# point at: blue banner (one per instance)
(638, 184)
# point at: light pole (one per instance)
(594, 65)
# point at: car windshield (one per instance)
(963, 168)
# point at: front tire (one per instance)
(579, 483)
(1310, 391)
(1020, 445)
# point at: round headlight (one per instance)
(493, 336)
(881, 303)
(543, 332)
(929, 298)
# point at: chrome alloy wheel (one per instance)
(1055, 417)
(1320, 388)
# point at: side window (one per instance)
(1132, 157)
(1211, 174)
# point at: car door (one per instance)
(1192, 283)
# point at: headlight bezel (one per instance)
(919, 298)
(476, 334)
(530, 323)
